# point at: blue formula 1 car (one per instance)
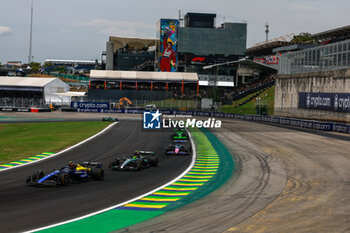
(179, 147)
(74, 173)
(136, 162)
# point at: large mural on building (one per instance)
(168, 45)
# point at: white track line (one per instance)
(54, 155)
(134, 199)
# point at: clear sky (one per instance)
(79, 29)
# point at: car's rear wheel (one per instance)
(139, 166)
(63, 179)
(114, 163)
(97, 174)
(154, 162)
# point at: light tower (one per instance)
(30, 58)
(267, 31)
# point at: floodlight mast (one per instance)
(267, 31)
(30, 58)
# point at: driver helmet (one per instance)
(137, 154)
(71, 164)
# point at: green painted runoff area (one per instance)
(22, 140)
(206, 143)
(105, 222)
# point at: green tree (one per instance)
(304, 37)
(36, 66)
(47, 65)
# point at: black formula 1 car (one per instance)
(81, 172)
(136, 162)
(179, 147)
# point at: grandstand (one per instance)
(333, 35)
(130, 54)
(247, 70)
(141, 85)
(76, 66)
(320, 72)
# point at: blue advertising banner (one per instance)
(296, 123)
(90, 106)
(218, 114)
(307, 124)
(202, 114)
(134, 111)
(341, 128)
(323, 126)
(257, 118)
(338, 102)
(230, 115)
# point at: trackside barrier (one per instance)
(308, 124)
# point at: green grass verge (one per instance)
(22, 140)
(267, 97)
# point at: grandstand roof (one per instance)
(134, 43)
(333, 33)
(25, 82)
(252, 64)
(142, 75)
(63, 62)
(219, 83)
(70, 93)
(292, 48)
(266, 48)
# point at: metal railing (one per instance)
(329, 57)
(22, 102)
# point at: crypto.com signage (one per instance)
(337, 102)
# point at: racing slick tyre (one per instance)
(97, 174)
(139, 166)
(63, 179)
(37, 175)
(115, 162)
(154, 162)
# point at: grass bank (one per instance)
(266, 97)
(22, 140)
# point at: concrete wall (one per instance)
(288, 87)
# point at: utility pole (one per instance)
(267, 31)
(30, 58)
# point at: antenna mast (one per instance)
(267, 31)
(30, 58)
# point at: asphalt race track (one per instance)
(24, 208)
(284, 181)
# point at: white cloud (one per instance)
(4, 31)
(120, 28)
